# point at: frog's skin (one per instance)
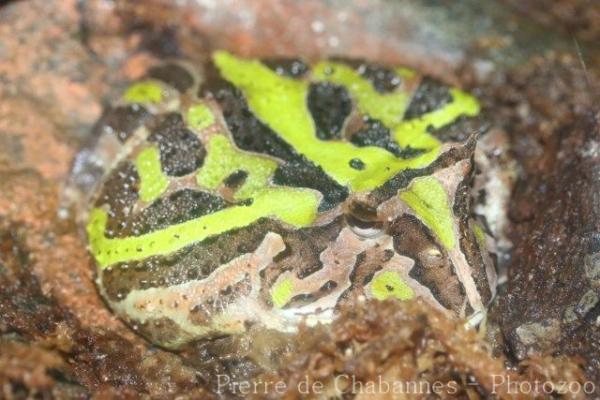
(268, 193)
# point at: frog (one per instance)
(244, 192)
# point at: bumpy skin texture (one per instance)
(271, 192)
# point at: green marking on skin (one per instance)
(199, 116)
(280, 102)
(152, 180)
(223, 159)
(428, 199)
(479, 234)
(390, 284)
(282, 292)
(405, 73)
(144, 92)
(295, 206)
(413, 132)
(388, 108)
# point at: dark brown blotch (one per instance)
(120, 193)
(329, 105)
(123, 121)
(372, 132)
(174, 75)
(178, 207)
(181, 152)
(431, 95)
(250, 134)
(382, 78)
(290, 67)
(433, 267)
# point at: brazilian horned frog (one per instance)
(269, 192)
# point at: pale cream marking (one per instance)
(344, 250)
(177, 301)
(497, 177)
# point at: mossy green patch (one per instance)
(282, 292)
(152, 180)
(479, 234)
(428, 199)
(405, 73)
(390, 284)
(280, 102)
(144, 92)
(413, 132)
(388, 108)
(295, 206)
(223, 159)
(199, 116)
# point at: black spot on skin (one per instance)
(431, 95)
(329, 106)
(124, 120)
(374, 133)
(174, 75)
(303, 173)
(383, 79)
(181, 152)
(389, 288)
(290, 67)
(236, 179)
(181, 206)
(250, 134)
(357, 163)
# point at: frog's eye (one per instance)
(363, 220)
